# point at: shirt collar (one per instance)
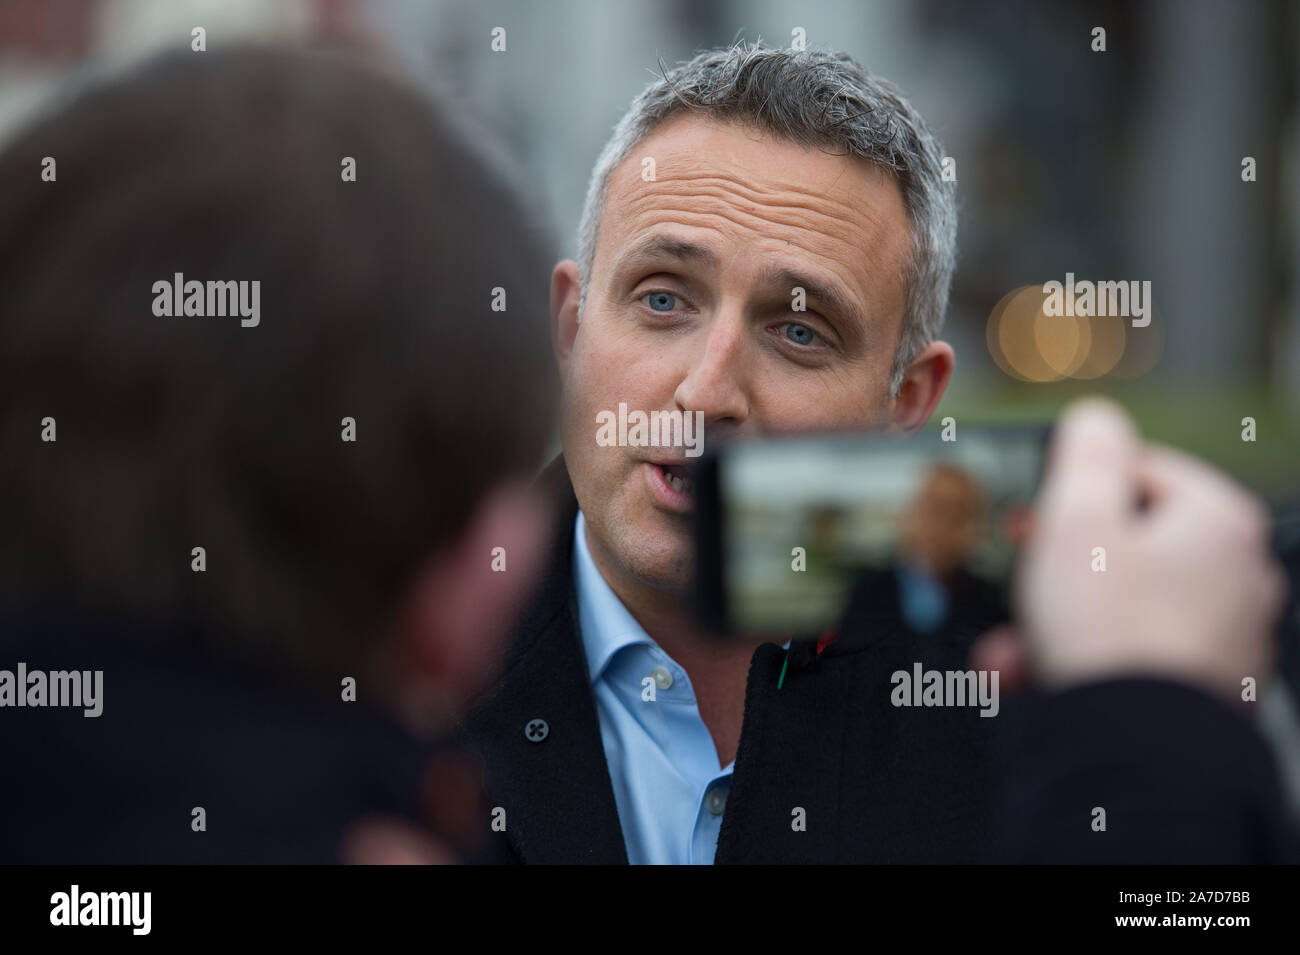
(605, 624)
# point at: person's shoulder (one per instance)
(1162, 759)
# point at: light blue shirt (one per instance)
(668, 785)
(924, 600)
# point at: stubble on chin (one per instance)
(649, 547)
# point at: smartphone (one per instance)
(789, 530)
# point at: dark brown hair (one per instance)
(177, 432)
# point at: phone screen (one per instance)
(793, 528)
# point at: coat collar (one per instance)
(555, 790)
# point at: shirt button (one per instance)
(536, 730)
(716, 800)
(663, 679)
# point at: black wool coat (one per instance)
(876, 782)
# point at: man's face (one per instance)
(689, 307)
(942, 524)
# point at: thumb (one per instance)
(1091, 467)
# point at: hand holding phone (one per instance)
(1184, 586)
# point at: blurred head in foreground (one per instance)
(256, 407)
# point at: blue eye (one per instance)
(659, 301)
(800, 334)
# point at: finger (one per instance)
(380, 841)
(1003, 649)
(1090, 474)
(1166, 474)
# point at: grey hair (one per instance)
(822, 100)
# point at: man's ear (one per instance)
(566, 292)
(466, 599)
(924, 383)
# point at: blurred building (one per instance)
(1117, 165)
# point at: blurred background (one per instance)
(1124, 164)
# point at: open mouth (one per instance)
(677, 478)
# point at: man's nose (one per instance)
(716, 381)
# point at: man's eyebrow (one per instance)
(831, 295)
(660, 247)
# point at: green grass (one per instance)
(1205, 421)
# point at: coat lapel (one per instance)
(784, 803)
(537, 730)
